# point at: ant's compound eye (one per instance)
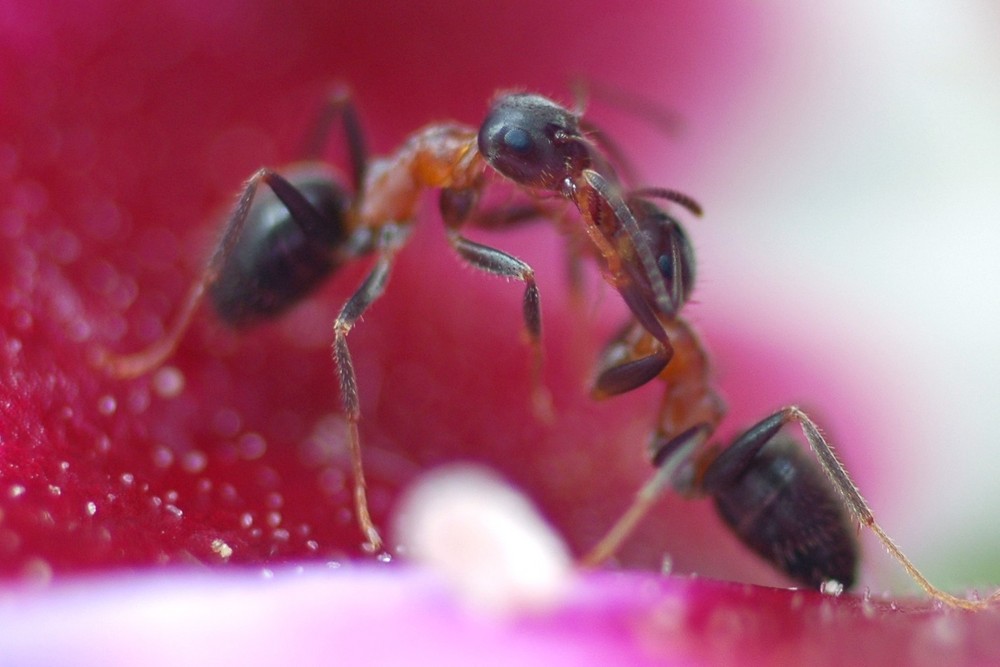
(518, 140)
(533, 141)
(666, 264)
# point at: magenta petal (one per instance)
(406, 616)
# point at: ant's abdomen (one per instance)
(277, 261)
(784, 508)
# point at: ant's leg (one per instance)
(457, 208)
(127, 366)
(500, 263)
(759, 435)
(339, 104)
(504, 217)
(629, 361)
(670, 461)
(371, 288)
(606, 194)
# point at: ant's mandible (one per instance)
(279, 245)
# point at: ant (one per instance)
(279, 245)
(775, 499)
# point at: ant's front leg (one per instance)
(629, 361)
(457, 208)
(392, 238)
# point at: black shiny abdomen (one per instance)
(275, 263)
(784, 508)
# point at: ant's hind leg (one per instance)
(845, 485)
(126, 366)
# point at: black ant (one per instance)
(276, 248)
(773, 497)
(279, 246)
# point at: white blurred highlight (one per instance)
(486, 538)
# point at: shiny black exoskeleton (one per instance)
(534, 141)
(285, 250)
(784, 508)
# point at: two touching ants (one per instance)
(282, 242)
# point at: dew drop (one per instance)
(831, 587)
(228, 493)
(163, 457)
(138, 400)
(867, 608)
(227, 423)
(194, 461)
(14, 346)
(251, 446)
(107, 405)
(37, 571)
(220, 547)
(168, 382)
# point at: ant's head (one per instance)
(533, 141)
